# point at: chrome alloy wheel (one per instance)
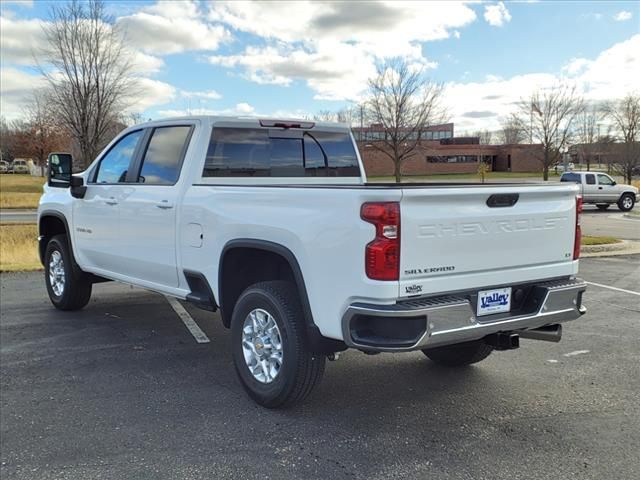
(262, 345)
(56, 273)
(627, 202)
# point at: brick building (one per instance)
(441, 152)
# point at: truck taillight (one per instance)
(578, 237)
(382, 254)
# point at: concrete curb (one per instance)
(625, 247)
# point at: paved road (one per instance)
(17, 216)
(122, 390)
(611, 222)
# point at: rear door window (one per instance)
(246, 152)
(163, 159)
(590, 179)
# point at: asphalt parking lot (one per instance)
(123, 390)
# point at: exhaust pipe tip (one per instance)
(548, 333)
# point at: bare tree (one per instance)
(587, 135)
(404, 102)
(548, 117)
(8, 141)
(511, 131)
(485, 136)
(625, 116)
(88, 69)
(325, 116)
(41, 133)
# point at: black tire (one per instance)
(602, 206)
(76, 291)
(301, 370)
(626, 202)
(459, 355)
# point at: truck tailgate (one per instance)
(454, 238)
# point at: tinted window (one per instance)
(242, 152)
(570, 177)
(114, 165)
(604, 180)
(590, 178)
(163, 158)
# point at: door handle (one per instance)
(111, 201)
(599, 188)
(164, 205)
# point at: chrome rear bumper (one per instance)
(446, 320)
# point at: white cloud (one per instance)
(144, 64)
(612, 74)
(151, 93)
(172, 27)
(244, 108)
(334, 47)
(20, 39)
(205, 95)
(17, 87)
(239, 110)
(622, 16)
(497, 15)
(19, 3)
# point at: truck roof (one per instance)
(252, 121)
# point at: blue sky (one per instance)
(294, 59)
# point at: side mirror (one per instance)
(614, 183)
(78, 188)
(59, 170)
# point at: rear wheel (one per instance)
(68, 288)
(626, 202)
(602, 206)
(270, 351)
(460, 354)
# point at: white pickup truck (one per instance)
(274, 224)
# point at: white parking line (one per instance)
(188, 321)
(614, 288)
(577, 352)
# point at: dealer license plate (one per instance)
(494, 301)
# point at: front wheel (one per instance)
(626, 202)
(270, 351)
(68, 288)
(460, 354)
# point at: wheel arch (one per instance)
(280, 263)
(51, 223)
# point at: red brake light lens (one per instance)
(382, 254)
(578, 237)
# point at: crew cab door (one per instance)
(96, 227)
(148, 210)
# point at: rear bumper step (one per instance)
(447, 320)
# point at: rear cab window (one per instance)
(280, 153)
(570, 177)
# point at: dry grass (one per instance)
(588, 240)
(20, 191)
(635, 183)
(19, 247)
